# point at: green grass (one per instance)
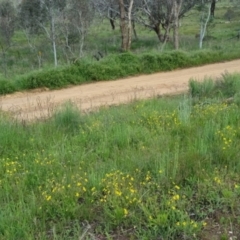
(164, 168)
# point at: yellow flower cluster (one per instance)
(210, 110)
(120, 187)
(76, 186)
(217, 180)
(227, 136)
(174, 197)
(148, 182)
(188, 224)
(11, 167)
(46, 161)
(160, 120)
(94, 126)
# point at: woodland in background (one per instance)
(38, 33)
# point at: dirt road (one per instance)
(40, 104)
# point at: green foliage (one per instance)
(237, 98)
(207, 56)
(54, 78)
(201, 89)
(229, 84)
(114, 67)
(31, 14)
(226, 86)
(67, 118)
(161, 167)
(149, 63)
(6, 87)
(7, 23)
(11, 130)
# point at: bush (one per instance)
(130, 63)
(149, 63)
(229, 84)
(113, 67)
(67, 118)
(7, 87)
(206, 56)
(226, 86)
(201, 89)
(102, 71)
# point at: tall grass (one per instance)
(161, 168)
(226, 86)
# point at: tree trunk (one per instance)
(112, 20)
(53, 38)
(39, 56)
(166, 37)
(134, 30)
(126, 25)
(157, 30)
(129, 29)
(81, 44)
(213, 5)
(204, 26)
(4, 61)
(112, 23)
(176, 10)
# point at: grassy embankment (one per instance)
(166, 168)
(220, 44)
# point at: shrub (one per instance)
(103, 71)
(67, 118)
(128, 63)
(229, 84)
(113, 67)
(149, 63)
(180, 59)
(206, 56)
(6, 87)
(165, 62)
(201, 89)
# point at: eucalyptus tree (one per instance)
(163, 15)
(75, 21)
(213, 7)
(64, 23)
(42, 15)
(124, 11)
(155, 14)
(31, 16)
(52, 8)
(205, 8)
(7, 27)
(7, 22)
(107, 9)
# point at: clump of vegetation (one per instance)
(7, 87)
(112, 67)
(166, 167)
(225, 87)
(67, 118)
